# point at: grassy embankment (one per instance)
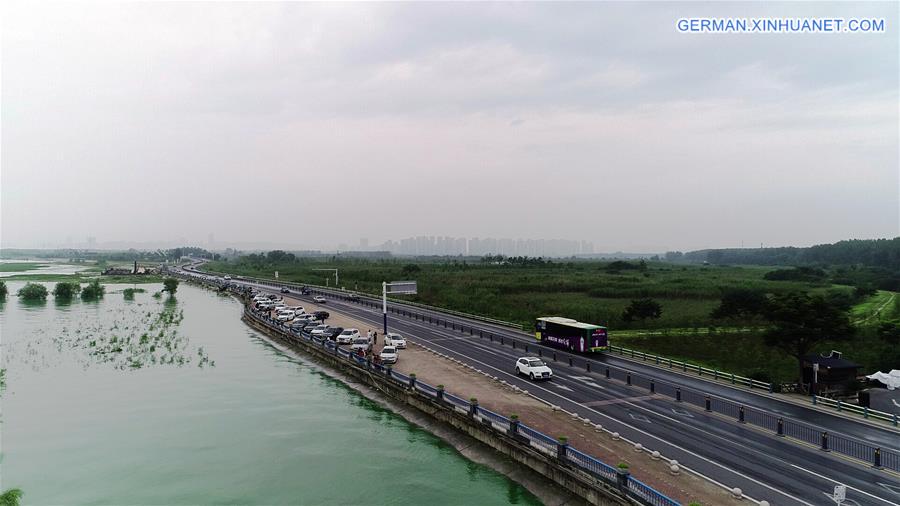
(21, 266)
(590, 291)
(90, 272)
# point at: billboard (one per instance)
(401, 288)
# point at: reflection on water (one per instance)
(83, 424)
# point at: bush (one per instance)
(65, 291)
(3, 290)
(170, 285)
(11, 497)
(33, 291)
(128, 293)
(93, 291)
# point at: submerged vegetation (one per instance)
(32, 292)
(128, 293)
(170, 285)
(11, 497)
(130, 336)
(93, 291)
(66, 290)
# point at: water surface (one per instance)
(213, 414)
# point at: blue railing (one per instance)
(591, 465)
(426, 388)
(400, 376)
(493, 417)
(636, 488)
(539, 440)
(457, 401)
(648, 494)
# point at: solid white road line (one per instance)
(848, 486)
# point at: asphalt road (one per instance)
(763, 465)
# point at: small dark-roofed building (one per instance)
(835, 373)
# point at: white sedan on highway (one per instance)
(534, 368)
(319, 299)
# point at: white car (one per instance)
(347, 336)
(361, 343)
(395, 340)
(284, 315)
(227, 278)
(319, 330)
(279, 306)
(319, 299)
(297, 309)
(534, 368)
(389, 355)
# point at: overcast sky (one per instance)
(310, 125)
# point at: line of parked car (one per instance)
(312, 325)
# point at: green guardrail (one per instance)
(688, 367)
(864, 411)
(660, 361)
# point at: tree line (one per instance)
(884, 253)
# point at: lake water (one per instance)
(50, 267)
(154, 401)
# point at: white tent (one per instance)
(891, 379)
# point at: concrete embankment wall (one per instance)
(574, 483)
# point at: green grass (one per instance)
(21, 266)
(880, 306)
(585, 291)
(588, 292)
(84, 278)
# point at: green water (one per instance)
(239, 421)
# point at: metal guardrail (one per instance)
(648, 494)
(552, 447)
(591, 464)
(858, 410)
(329, 289)
(715, 374)
(878, 457)
(494, 418)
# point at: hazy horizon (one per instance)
(307, 126)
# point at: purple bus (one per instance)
(571, 335)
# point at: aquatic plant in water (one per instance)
(33, 292)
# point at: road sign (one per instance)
(401, 288)
(840, 493)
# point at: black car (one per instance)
(304, 291)
(332, 332)
(321, 315)
(285, 290)
(353, 297)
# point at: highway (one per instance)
(762, 464)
